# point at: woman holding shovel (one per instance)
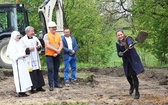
(131, 61)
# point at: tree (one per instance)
(113, 11)
(83, 18)
(151, 15)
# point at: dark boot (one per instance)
(40, 89)
(32, 91)
(136, 86)
(51, 88)
(131, 90)
(130, 80)
(137, 95)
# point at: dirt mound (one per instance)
(111, 71)
(155, 74)
(150, 74)
(2, 76)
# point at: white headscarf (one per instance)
(11, 42)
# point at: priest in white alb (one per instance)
(33, 45)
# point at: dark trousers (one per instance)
(132, 78)
(53, 64)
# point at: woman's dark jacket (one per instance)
(130, 56)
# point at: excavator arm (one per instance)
(46, 15)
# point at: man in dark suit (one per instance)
(69, 55)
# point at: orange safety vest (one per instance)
(54, 42)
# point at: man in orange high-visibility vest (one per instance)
(53, 47)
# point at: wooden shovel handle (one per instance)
(128, 48)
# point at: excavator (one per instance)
(15, 17)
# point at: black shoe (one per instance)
(131, 90)
(58, 86)
(137, 95)
(51, 88)
(41, 89)
(32, 91)
(23, 95)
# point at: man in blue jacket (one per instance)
(69, 55)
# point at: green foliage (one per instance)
(32, 7)
(82, 17)
(152, 16)
(94, 29)
(83, 74)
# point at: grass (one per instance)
(81, 74)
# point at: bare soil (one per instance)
(107, 86)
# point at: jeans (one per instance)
(53, 64)
(72, 62)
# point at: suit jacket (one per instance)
(66, 51)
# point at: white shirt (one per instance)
(69, 42)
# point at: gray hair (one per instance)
(27, 29)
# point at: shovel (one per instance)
(142, 35)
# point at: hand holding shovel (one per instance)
(142, 35)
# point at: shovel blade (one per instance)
(142, 35)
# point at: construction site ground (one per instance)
(103, 86)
